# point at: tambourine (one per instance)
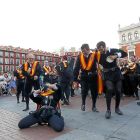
(74, 86)
(109, 60)
(50, 72)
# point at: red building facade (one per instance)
(11, 57)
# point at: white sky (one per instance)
(50, 24)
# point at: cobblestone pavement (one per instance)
(79, 125)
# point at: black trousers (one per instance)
(72, 90)
(92, 85)
(134, 81)
(110, 88)
(127, 87)
(65, 87)
(55, 122)
(20, 88)
(29, 85)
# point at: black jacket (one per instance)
(19, 81)
(37, 72)
(46, 77)
(61, 69)
(84, 74)
(40, 99)
(107, 65)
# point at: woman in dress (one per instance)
(13, 84)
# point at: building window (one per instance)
(11, 68)
(1, 60)
(42, 57)
(6, 54)
(1, 67)
(23, 61)
(136, 34)
(17, 55)
(129, 36)
(131, 53)
(17, 61)
(42, 63)
(6, 68)
(11, 61)
(50, 64)
(6, 61)
(11, 54)
(38, 57)
(123, 37)
(1, 53)
(50, 58)
(23, 56)
(46, 58)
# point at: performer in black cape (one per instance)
(47, 99)
(111, 76)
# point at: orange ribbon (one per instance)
(87, 66)
(99, 78)
(47, 93)
(20, 75)
(33, 69)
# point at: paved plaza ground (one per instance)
(79, 125)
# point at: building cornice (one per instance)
(129, 27)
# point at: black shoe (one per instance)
(137, 98)
(108, 114)
(66, 102)
(95, 109)
(72, 96)
(27, 108)
(138, 103)
(23, 101)
(83, 107)
(118, 111)
(122, 98)
(18, 102)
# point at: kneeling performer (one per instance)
(47, 100)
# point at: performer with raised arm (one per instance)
(31, 70)
(86, 62)
(112, 76)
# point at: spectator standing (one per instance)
(13, 84)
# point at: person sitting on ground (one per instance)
(47, 98)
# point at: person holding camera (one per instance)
(47, 99)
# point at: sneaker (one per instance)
(13, 95)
